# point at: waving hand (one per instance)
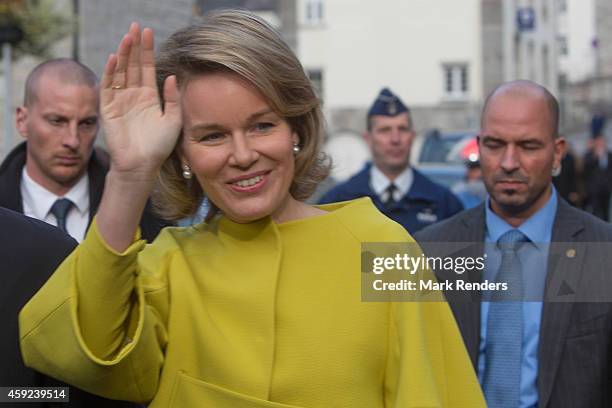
(139, 135)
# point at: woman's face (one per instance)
(240, 151)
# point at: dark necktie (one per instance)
(390, 200)
(60, 209)
(502, 376)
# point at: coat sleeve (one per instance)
(99, 322)
(428, 364)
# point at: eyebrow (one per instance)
(62, 116)
(214, 126)
(497, 139)
(489, 137)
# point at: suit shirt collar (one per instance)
(379, 182)
(40, 200)
(538, 228)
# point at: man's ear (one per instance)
(560, 149)
(21, 119)
(367, 136)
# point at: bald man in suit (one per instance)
(555, 349)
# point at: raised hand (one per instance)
(138, 134)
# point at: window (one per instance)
(545, 65)
(563, 48)
(316, 77)
(456, 80)
(313, 12)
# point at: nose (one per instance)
(509, 160)
(70, 137)
(243, 154)
(395, 135)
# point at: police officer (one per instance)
(399, 191)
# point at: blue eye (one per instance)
(263, 127)
(212, 138)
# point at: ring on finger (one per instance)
(117, 87)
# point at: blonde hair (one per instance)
(241, 42)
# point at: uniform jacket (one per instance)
(257, 315)
(425, 203)
(10, 187)
(30, 250)
(575, 345)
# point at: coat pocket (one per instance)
(589, 318)
(190, 392)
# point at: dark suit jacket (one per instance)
(575, 345)
(597, 180)
(30, 250)
(10, 188)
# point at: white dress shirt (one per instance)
(380, 183)
(37, 203)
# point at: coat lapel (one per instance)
(562, 280)
(10, 178)
(468, 313)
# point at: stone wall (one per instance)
(448, 117)
(105, 22)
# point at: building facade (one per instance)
(430, 54)
(441, 56)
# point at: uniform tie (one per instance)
(390, 200)
(502, 376)
(60, 209)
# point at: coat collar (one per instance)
(10, 178)
(556, 314)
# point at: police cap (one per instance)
(387, 104)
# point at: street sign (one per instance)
(525, 18)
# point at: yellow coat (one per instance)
(244, 316)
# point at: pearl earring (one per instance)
(296, 149)
(187, 174)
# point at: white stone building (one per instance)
(429, 52)
(577, 39)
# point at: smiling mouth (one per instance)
(249, 182)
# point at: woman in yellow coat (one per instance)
(260, 306)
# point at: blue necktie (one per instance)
(502, 377)
(60, 209)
